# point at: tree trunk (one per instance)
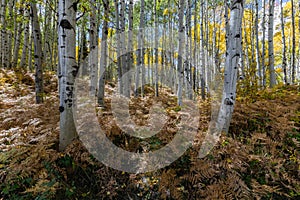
(180, 51)
(233, 56)
(68, 70)
(30, 52)
(38, 57)
(103, 58)
(17, 44)
(129, 60)
(46, 42)
(93, 56)
(271, 45)
(202, 53)
(195, 56)
(140, 54)
(156, 47)
(26, 39)
(8, 50)
(123, 46)
(263, 45)
(284, 64)
(2, 28)
(119, 60)
(293, 63)
(3, 34)
(258, 66)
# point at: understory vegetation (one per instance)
(258, 159)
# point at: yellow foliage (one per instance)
(166, 12)
(279, 70)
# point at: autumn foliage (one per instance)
(258, 160)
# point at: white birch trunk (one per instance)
(93, 56)
(140, 54)
(156, 46)
(103, 59)
(284, 64)
(68, 69)
(293, 59)
(38, 57)
(233, 56)
(123, 45)
(271, 44)
(119, 60)
(258, 66)
(2, 30)
(3, 34)
(17, 45)
(202, 54)
(180, 51)
(26, 39)
(129, 60)
(263, 45)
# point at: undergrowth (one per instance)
(258, 160)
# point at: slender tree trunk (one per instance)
(195, 71)
(245, 53)
(202, 53)
(140, 54)
(180, 51)
(54, 39)
(119, 60)
(3, 34)
(9, 39)
(258, 65)
(188, 58)
(284, 64)
(83, 53)
(38, 57)
(124, 60)
(271, 45)
(17, 45)
(68, 69)
(46, 42)
(103, 59)
(293, 63)
(156, 47)
(30, 52)
(93, 56)
(2, 29)
(129, 60)
(26, 39)
(263, 45)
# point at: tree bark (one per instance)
(68, 70)
(258, 66)
(156, 47)
(26, 39)
(180, 51)
(3, 34)
(271, 45)
(93, 56)
(202, 53)
(38, 57)
(263, 45)
(293, 59)
(129, 60)
(119, 60)
(284, 60)
(233, 56)
(103, 58)
(140, 54)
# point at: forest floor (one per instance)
(260, 159)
